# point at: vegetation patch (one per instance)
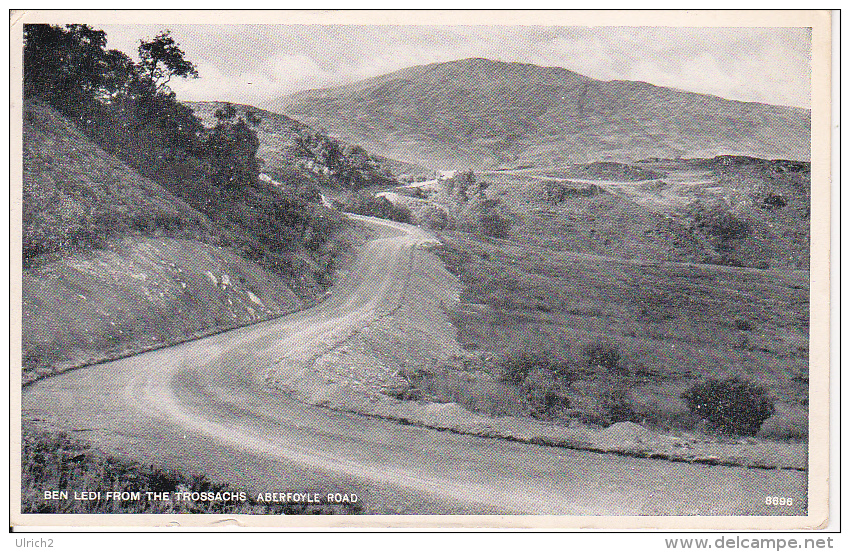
(367, 203)
(58, 462)
(731, 405)
(635, 335)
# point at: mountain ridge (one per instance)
(485, 113)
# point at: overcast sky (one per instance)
(256, 63)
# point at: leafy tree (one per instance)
(69, 66)
(162, 59)
(232, 147)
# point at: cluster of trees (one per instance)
(366, 203)
(349, 165)
(475, 212)
(128, 109)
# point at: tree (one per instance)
(232, 148)
(68, 67)
(162, 60)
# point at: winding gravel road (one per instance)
(202, 407)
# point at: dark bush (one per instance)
(743, 324)
(494, 225)
(732, 405)
(368, 204)
(617, 406)
(545, 401)
(774, 201)
(517, 366)
(718, 221)
(436, 218)
(603, 354)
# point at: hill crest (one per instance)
(484, 113)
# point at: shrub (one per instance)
(516, 367)
(617, 406)
(494, 225)
(743, 324)
(732, 405)
(545, 400)
(368, 204)
(717, 221)
(435, 218)
(774, 201)
(603, 354)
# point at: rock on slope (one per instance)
(482, 113)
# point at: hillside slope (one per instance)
(114, 263)
(75, 195)
(278, 133)
(483, 113)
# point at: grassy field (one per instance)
(55, 461)
(603, 270)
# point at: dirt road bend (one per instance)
(205, 407)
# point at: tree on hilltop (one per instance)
(162, 59)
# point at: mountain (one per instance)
(483, 113)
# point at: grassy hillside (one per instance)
(642, 262)
(738, 211)
(482, 113)
(115, 264)
(280, 153)
(672, 325)
(138, 293)
(75, 196)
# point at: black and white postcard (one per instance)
(420, 269)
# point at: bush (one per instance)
(718, 222)
(368, 204)
(494, 225)
(517, 366)
(732, 406)
(617, 406)
(743, 324)
(603, 354)
(435, 218)
(773, 201)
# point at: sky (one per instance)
(258, 63)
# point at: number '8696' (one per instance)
(778, 501)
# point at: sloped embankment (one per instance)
(137, 294)
(388, 317)
(114, 263)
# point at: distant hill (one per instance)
(483, 113)
(277, 134)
